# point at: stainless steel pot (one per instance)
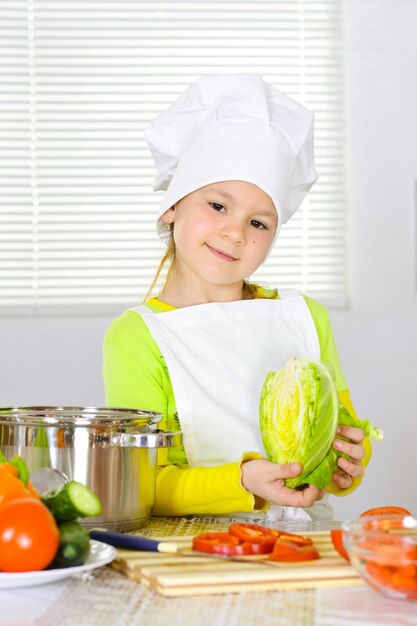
(113, 451)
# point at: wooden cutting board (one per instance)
(182, 575)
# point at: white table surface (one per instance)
(105, 597)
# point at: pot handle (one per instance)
(156, 439)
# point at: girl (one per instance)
(235, 156)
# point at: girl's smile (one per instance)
(221, 255)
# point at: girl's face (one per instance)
(222, 232)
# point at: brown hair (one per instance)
(249, 292)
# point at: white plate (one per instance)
(100, 554)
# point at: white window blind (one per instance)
(80, 81)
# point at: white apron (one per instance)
(218, 356)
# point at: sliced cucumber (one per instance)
(72, 500)
(74, 546)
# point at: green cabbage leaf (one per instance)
(299, 414)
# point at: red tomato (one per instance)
(390, 550)
(207, 541)
(337, 540)
(245, 548)
(380, 574)
(254, 533)
(405, 579)
(261, 534)
(261, 548)
(402, 579)
(228, 545)
(29, 536)
(291, 553)
(384, 524)
(386, 510)
(246, 539)
(299, 540)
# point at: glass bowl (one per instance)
(383, 550)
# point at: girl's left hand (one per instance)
(351, 467)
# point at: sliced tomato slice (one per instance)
(228, 545)
(208, 541)
(253, 539)
(386, 510)
(299, 540)
(385, 518)
(262, 534)
(336, 535)
(384, 523)
(254, 533)
(245, 548)
(390, 550)
(241, 549)
(402, 579)
(262, 548)
(405, 579)
(380, 574)
(290, 553)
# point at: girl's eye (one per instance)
(216, 206)
(258, 224)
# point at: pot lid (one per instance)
(77, 416)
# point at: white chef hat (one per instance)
(233, 127)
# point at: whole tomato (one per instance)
(29, 536)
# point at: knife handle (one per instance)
(129, 542)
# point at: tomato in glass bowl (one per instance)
(383, 550)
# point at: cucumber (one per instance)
(74, 546)
(70, 501)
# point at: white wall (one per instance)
(58, 360)
(377, 337)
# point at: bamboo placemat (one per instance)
(107, 598)
(176, 575)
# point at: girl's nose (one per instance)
(235, 231)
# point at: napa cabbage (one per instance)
(299, 414)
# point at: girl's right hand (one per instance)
(266, 480)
